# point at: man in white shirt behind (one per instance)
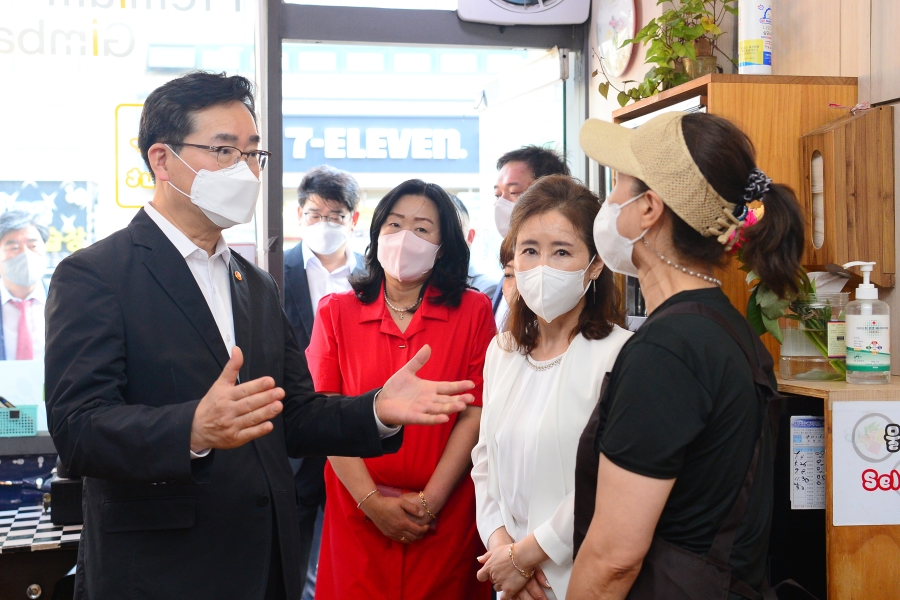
(320, 264)
(23, 261)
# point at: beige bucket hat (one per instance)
(657, 154)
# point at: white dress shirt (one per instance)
(212, 276)
(210, 272)
(11, 316)
(322, 281)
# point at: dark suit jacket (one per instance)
(132, 347)
(297, 304)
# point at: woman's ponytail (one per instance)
(772, 247)
(725, 156)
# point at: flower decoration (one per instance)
(750, 218)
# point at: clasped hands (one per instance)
(400, 518)
(232, 414)
(506, 577)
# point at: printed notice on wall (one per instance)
(866, 463)
(807, 463)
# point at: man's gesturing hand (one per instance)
(231, 415)
(407, 400)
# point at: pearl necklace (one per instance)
(702, 276)
(549, 365)
(400, 311)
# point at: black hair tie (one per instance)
(757, 185)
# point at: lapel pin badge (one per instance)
(237, 275)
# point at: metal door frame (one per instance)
(281, 22)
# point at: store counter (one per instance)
(862, 485)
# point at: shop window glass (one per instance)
(76, 74)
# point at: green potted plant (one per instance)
(682, 45)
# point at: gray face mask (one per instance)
(25, 269)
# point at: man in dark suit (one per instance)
(321, 264)
(175, 385)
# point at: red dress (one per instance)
(356, 347)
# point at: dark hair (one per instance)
(330, 184)
(541, 161)
(14, 220)
(463, 212)
(579, 206)
(168, 111)
(507, 253)
(725, 156)
(451, 269)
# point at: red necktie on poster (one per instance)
(24, 344)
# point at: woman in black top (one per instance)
(680, 417)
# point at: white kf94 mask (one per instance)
(324, 237)
(550, 292)
(227, 196)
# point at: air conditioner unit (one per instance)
(525, 12)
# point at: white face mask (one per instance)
(550, 292)
(227, 196)
(614, 250)
(24, 269)
(324, 237)
(502, 211)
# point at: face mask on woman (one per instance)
(502, 212)
(405, 256)
(324, 237)
(551, 292)
(613, 249)
(228, 196)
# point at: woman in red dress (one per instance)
(402, 526)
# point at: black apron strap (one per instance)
(724, 540)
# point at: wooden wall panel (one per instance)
(850, 41)
(774, 115)
(806, 37)
(885, 57)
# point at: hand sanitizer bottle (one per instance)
(868, 333)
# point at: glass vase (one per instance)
(813, 346)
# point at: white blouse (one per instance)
(523, 465)
(514, 441)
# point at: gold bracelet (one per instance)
(425, 505)
(512, 557)
(366, 498)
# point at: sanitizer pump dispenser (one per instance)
(868, 332)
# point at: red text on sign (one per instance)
(872, 481)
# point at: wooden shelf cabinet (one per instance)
(774, 111)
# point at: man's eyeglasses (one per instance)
(312, 218)
(227, 156)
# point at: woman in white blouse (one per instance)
(542, 380)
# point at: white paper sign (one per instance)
(866, 463)
(807, 463)
(22, 383)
